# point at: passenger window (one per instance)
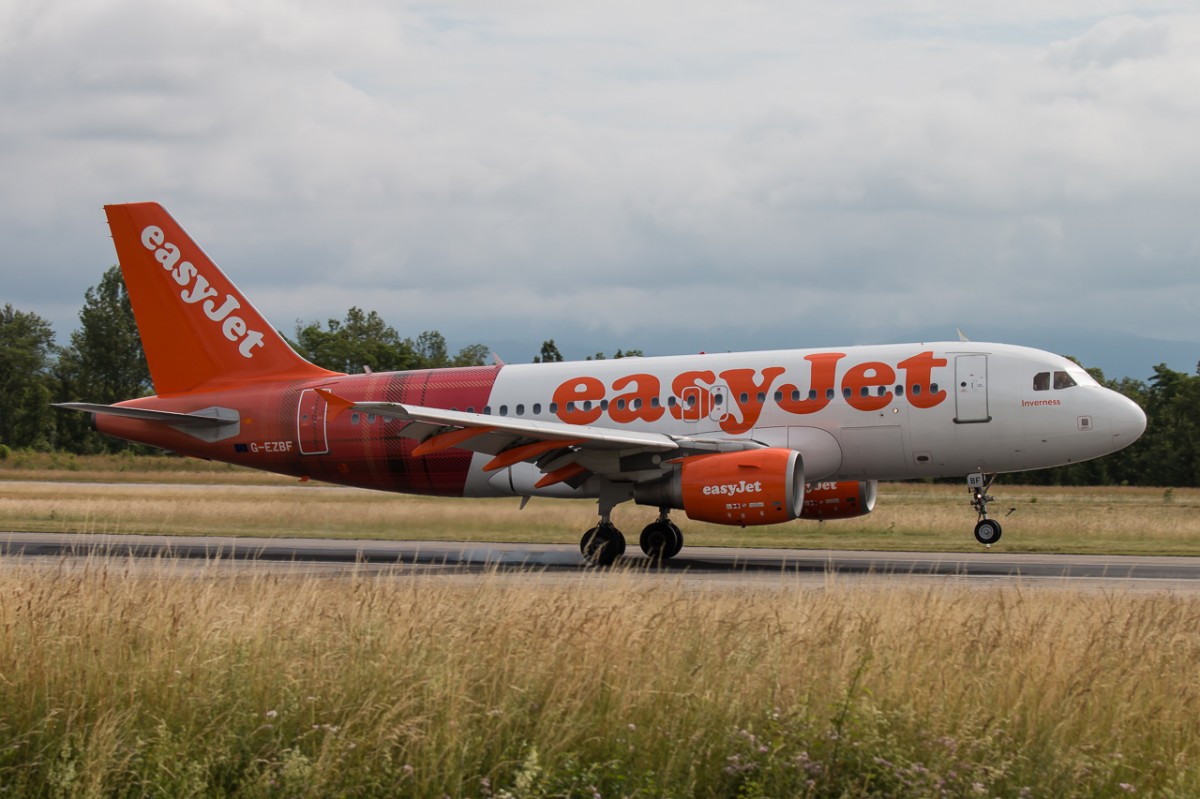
(554, 407)
(537, 409)
(899, 391)
(655, 402)
(604, 405)
(829, 393)
(933, 389)
(762, 397)
(354, 418)
(865, 391)
(504, 410)
(1063, 380)
(520, 410)
(1041, 381)
(846, 392)
(812, 394)
(916, 390)
(487, 409)
(779, 396)
(587, 405)
(745, 398)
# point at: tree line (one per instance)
(103, 362)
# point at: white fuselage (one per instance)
(886, 412)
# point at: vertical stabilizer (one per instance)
(197, 329)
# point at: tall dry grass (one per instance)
(118, 683)
(908, 516)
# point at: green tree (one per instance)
(549, 353)
(471, 355)
(1168, 454)
(26, 352)
(430, 349)
(104, 363)
(600, 356)
(361, 341)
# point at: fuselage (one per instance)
(857, 413)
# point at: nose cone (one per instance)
(1128, 421)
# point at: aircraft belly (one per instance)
(875, 452)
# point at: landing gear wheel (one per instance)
(661, 540)
(602, 545)
(987, 531)
(678, 545)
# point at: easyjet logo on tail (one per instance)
(197, 290)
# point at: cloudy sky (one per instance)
(669, 176)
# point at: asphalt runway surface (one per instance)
(736, 566)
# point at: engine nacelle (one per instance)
(758, 486)
(841, 500)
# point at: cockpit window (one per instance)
(1063, 380)
(1041, 381)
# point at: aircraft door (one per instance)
(970, 389)
(693, 404)
(310, 423)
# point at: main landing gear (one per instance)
(661, 539)
(987, 531)
(604, 543)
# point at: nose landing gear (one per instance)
(987, 531)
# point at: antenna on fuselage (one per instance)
(961, 335)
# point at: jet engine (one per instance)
(841, 500)
(759, 486)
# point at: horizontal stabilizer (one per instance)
(208, 424)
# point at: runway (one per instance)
(333, 556)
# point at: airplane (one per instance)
(745, 438)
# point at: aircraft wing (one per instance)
(563, 452)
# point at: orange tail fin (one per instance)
(197, 329)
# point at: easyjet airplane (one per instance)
(736, 438)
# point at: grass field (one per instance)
(119, 494)
(167, 681)
(116, 683)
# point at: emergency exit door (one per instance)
(310, 423)
(970, 389)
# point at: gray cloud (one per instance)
(620, 174)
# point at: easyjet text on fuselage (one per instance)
(867, 386)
